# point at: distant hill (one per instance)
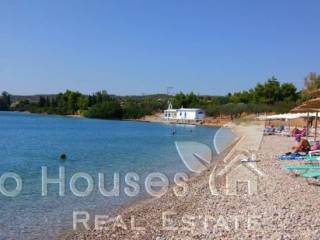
(31, 98)
(35, 98)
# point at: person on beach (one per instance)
(315, 146)
(302, 145)
(296, 131)
(281, 126)
(304, 132)
(270, 130)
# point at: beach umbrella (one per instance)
(311, 106)
(315, 94)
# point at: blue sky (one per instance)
(135, 47)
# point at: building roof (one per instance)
(189, 109)
(170, 110)
(183, 109)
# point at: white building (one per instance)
(184, 114)
(190, 114)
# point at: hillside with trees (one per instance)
(270, 96)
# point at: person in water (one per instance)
(302, 145)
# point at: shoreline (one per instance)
(207, 121)
(194, 180)
(193, 177)
(154, 120)
(283, 206)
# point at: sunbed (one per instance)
(301, 167)
(307, 172)
(311, 175)
(292, 156)
(311, 156)
(283, 133)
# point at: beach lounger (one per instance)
(314, 152)
(311, 175)
(283, 133)
(301, 167)
(311, 156)
(308, 172)
(292, 156)
(307, 159)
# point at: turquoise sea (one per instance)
(29, 142)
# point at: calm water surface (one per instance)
(28, 142)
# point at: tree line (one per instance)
(97, 105)
(270, 96)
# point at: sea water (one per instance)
(29, 142)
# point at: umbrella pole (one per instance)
(315, 127)
(307, 133)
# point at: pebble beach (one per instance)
(284, 206)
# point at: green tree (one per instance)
(105, 110)
(83, 102)
(271, 91)
(241, 97)
(288, 92)
(179, 100)
(42, 102)
(73, 101)
(22, 105)
(5, 101)
(188, 100)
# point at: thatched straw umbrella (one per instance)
(311, 106)
(315, 94)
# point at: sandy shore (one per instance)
(284, 206)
